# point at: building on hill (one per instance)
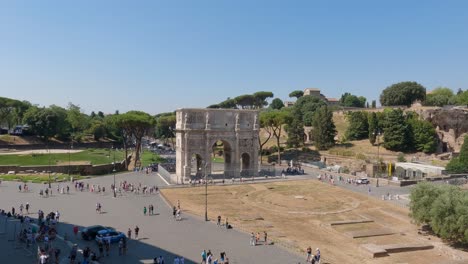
(315, 92)
(332, 101)
(288, 103)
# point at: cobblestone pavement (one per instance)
(159, 234)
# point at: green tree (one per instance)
(134, 124)
(77, 120)
(324, 130)
(277, 104)
(403, 93)
(443, 207)
(397, 133)
(295, 130)
(97, 129)
(260, 99)
(274, 120)
(439, 97)
(358, 125)
(350, 100)
(460, 163)
(297, 93)
(373, 124)
(12, 111)
(42, 121)
(165, 126)
(448, 214)
(424, 135)
(462, 98)
(374, 104)
(305, 107)
(422, 197)
(266, 128)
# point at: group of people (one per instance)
(150, 210)
(23, 187)
(177, 260)
(292, 171)
(136, 188)
(255, 238)
(313, 259)
(208, 258)
(129, 232)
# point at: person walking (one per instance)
(27, 208)
(137, 229)
(129, 233)
(252, 239)
(219, 220)
(107, 244)
(101, 248)
(75, 230)
(309, 254)
(203, 255)
(121, 247)
(144, 210)
(265, 236)
(124, 246)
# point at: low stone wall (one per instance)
(54, 145)
(74, 169)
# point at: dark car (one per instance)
(90, 232)
(111, 235)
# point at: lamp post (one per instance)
(48, 150)
(377, 135)
(206, 193)
(113, 163)
(71, 147)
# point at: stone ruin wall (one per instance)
(451, 126)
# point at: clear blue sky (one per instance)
(158, 56)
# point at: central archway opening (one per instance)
(221, 160)
(245, 165)
(196, 172)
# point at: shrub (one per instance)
(443, 207)
(401, 157)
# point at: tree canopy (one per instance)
(397, 133)
(358, 125)
(324, 131)
(296, 93)
(440, 96)
(350, 100)
(403, 93)
(277, 104)
(443, 207)
(460, 164)
(246, 101)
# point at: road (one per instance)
(160, 234)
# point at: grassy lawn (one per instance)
(218, 159)
(38, 178)
(149, 157)
(93, 156)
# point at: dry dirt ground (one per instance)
(297, 214)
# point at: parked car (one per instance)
(111, 234)
(90, 232)
(363, 181)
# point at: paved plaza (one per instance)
(159, 234)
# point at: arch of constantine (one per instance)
(201, 134)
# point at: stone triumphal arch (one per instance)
(227, 136)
